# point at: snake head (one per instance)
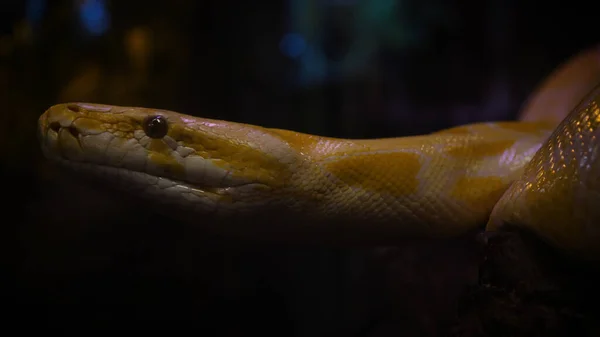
(200, 164)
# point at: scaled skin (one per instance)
(432, 186)
(558, 195)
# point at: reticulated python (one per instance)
(288, 185)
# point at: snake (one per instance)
(540, 173)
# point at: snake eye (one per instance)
(155, 126)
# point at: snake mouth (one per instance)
(165, 193)
(138, 181)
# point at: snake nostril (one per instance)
(55, 126)
(74, 108)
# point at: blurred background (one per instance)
(80, 260)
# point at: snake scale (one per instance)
(537, 173)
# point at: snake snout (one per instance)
(59, 117)
(58, 131)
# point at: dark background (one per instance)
(79, 260)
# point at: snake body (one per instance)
(280, 183)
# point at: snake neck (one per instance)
(412, 185)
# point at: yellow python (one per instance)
(280, 184)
